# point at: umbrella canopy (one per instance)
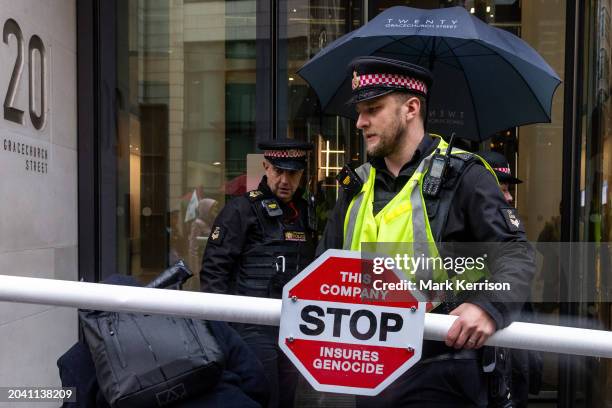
(485, 79)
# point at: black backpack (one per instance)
(149, 361)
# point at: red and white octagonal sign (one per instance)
(343, 331)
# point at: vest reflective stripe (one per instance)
(364, 173)
(349, 224)
(423, 242)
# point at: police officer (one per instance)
(258, 242)
(501, 167)
(467, 206)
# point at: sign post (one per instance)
(343, 331)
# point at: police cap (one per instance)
(500, 165)
(372, 77)
(286, 154)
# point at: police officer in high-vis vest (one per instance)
(258, 242)
(399, 195)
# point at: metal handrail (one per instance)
(243, 309)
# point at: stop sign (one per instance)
(343, 332)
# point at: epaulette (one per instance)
(254, 195)
(462, 156)
(460, 161)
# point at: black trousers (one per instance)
(436, 384)
(280, 371)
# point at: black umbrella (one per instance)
(485, 79)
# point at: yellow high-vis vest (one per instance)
(402, 225)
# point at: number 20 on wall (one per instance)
(12, 113)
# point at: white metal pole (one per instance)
(242, 309)
(85, 295)
(531, 336)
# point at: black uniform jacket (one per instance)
(478, 213)
(236, 230)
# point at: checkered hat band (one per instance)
(502, 169)
(407, 82)
(287, 154)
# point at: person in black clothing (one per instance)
(390, 98)
(242, 383)
(258, 243)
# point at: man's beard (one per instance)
(388, 144)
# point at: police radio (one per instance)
(349, 180)
(432, 183)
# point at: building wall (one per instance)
(38, 189)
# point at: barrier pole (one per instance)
(243, 309)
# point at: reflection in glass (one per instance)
(310, 26)
(186, 120)
(596, 215)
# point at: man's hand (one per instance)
(471, 329)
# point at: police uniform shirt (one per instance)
(236, 230)
(478, 213)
